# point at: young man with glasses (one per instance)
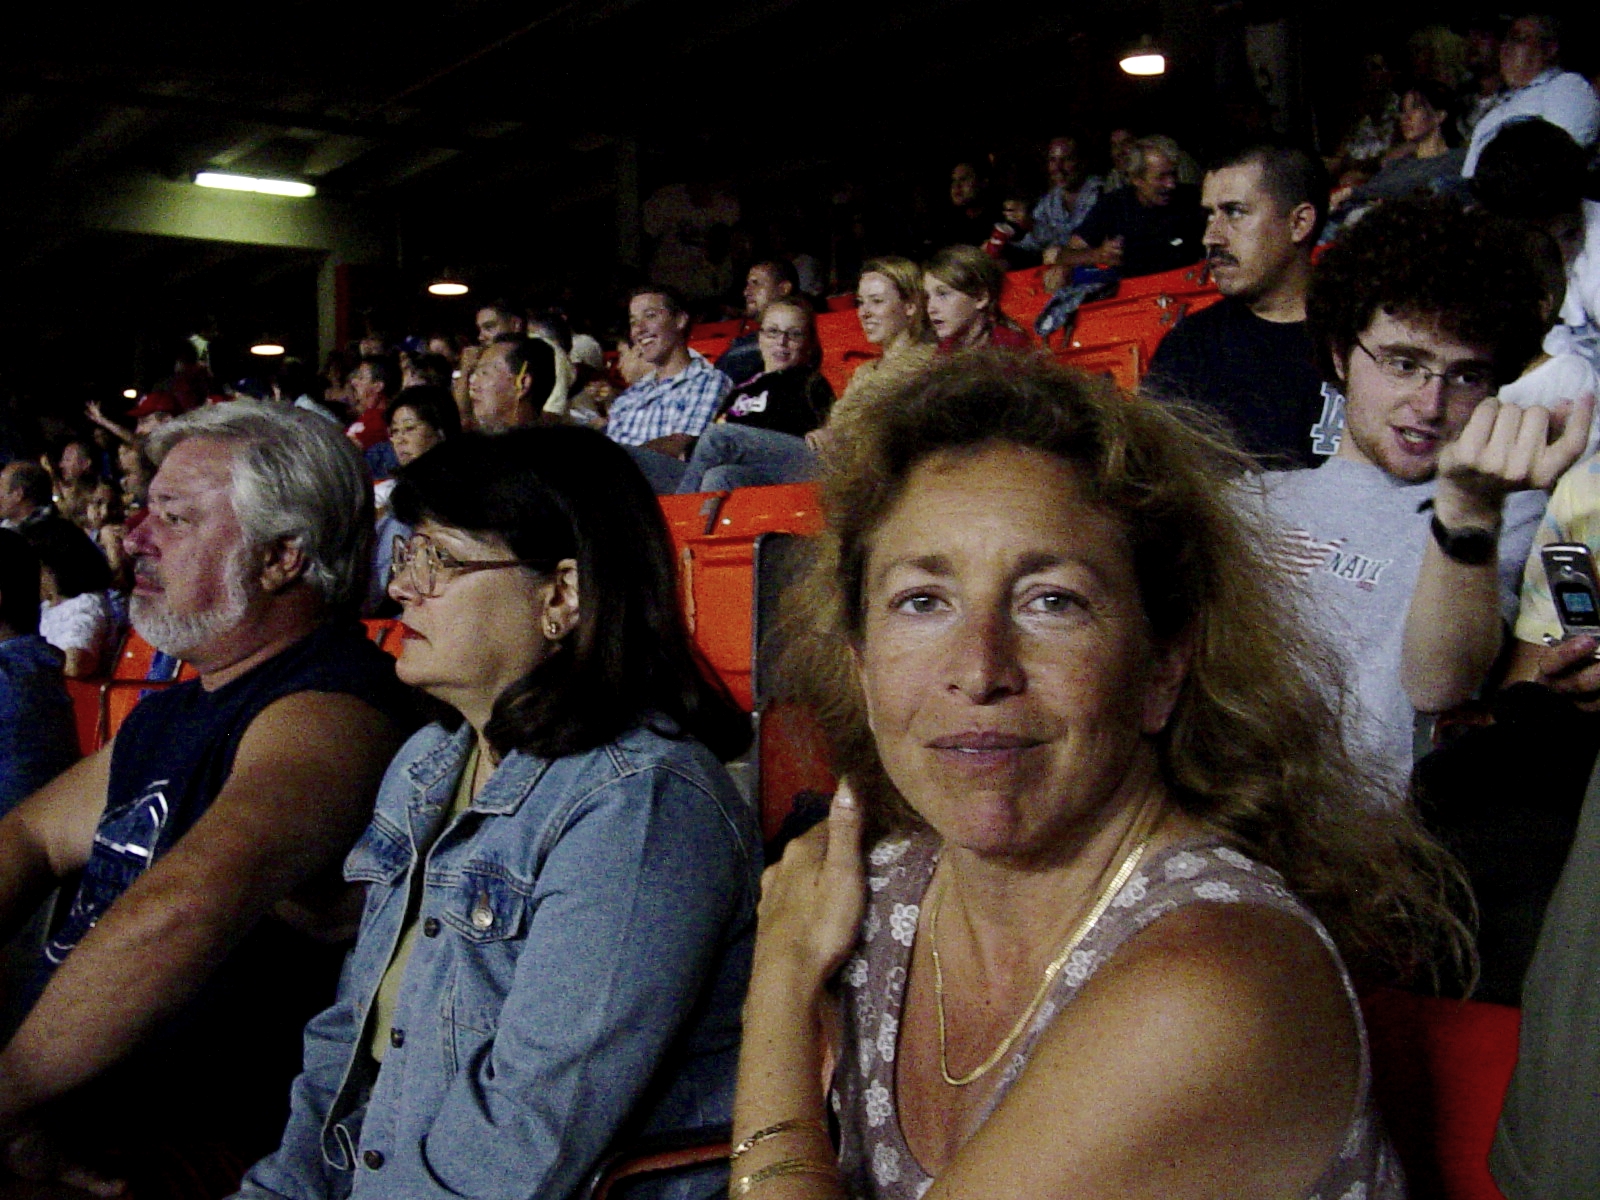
(1419, 313)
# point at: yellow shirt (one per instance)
(381, 1019)
(1573, 516)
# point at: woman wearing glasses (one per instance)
(760, 435)
(561, 876)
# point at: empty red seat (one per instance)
(1123, 362)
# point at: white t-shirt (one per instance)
(1564, 98)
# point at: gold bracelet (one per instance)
(746, 1184)
(772, 1131)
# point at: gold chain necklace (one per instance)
(1125, 870)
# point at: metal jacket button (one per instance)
(373, 1159)
(430, 927)
(397, 1038)
(482, 915)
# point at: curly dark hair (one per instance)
(1254, 748)
(1464, 273)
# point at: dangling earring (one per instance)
(552, 631)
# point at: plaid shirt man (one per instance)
(655, 408)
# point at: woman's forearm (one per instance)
(779, 1115)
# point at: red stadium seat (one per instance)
(1122, 361)
(1194, 278)
(1440, 1069)
(845, 303)
(844, 347)
(86, 696)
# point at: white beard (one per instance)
(181, 636)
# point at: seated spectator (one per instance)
(661, 415)
(103, 521)
(1152, 225)
(25, 495)
(1005, 238)
(136, 470)
(1536, 86)
(372, 384)
(37, 737)
(1376, 125)
(961, 286)
(968, 217)
(1095, 953)
(600, 856)
(1536, 174)
(1072, 196)
(1248, 360)
(219, 814)
(74, 615)
(425, 370)
(72, 477)
(497, 319)
(1419, 312)
(760, 436)
(891, 306)
(419, 419)
(767, 281)
(1425, 160)
(513, 383)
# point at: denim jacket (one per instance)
(586, 933)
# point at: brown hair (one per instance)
(973, 273)
(1254, 747)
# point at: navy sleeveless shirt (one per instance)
(170, 760)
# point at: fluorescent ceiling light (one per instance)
(447, 288)
(252, 183)
(267, 348)
(1146, 62)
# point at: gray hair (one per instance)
(297, 478)
(1139, 153)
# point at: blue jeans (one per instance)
(662, 471)
(731, 456)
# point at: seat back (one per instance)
(1194, 278)
(716, 575)
(1440, 1069)
(1122, 362)
(86, 696)
(844, 347)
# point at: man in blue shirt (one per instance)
(659, 417)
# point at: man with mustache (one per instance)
(1248, 359)
(206, 839)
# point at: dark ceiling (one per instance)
(488, 134)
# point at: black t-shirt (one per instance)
(1156, 239)
(170, 760)
(794, 401)
(1258, 376)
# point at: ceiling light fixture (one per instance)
(252, 183)
(1144, 58)
(448, 283)
(266, 347)
(130, 393)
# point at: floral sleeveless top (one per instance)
(874, 1158)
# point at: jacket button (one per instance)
(397, 1038)
(430, 927)
(482, 916)
(373, 1159)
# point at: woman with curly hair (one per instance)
(1095, 944)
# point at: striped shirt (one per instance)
(655, 408)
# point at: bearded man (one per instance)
(206, 839)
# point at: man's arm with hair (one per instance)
(1453, 630)
(300, 792)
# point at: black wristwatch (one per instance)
(1469, 547)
